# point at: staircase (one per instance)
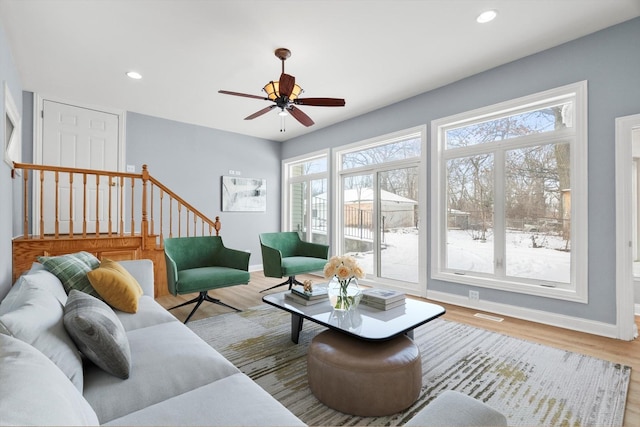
(115, 215)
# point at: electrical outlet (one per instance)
(474, 295)
(131, 168)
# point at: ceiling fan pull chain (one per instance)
(282, 128)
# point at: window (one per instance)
(509, 195)
(306, 201)
(381, 203)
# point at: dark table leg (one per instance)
(296, 327)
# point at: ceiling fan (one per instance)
(284, 95)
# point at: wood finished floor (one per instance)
(624, 352)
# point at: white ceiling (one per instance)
(372, 53)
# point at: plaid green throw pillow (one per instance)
(72, 270)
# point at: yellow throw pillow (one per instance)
(116, 286)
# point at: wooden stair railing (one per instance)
(139, 202)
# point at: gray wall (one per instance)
(8, 74)
(191, 160)
(610, 61)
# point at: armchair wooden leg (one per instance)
(203, 296)
(290, 281)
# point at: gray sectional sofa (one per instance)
(174, 378)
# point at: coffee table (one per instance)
(364, 322)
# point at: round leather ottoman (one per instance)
(364, 378)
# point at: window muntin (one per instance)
(538, 223)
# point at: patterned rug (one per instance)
(532, 384)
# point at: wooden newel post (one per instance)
(145, 224)
(217, 225)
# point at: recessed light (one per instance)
(134, 75)
(486, 16)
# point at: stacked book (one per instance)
(383, 299)
(300, 296)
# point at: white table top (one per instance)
(364, 322)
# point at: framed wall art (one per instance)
(244, 194)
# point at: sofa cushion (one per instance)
(45, 396)
(149, 313)
(168, 360)
(72, 270)
(142, 271)
(232, 401)
(98, 333)
(301, 264)
(205, 278)
(116, 286)
(37, 319)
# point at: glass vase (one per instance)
(348, 320)
(344, 296)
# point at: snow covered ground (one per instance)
(548, 263)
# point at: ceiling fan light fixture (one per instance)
(288, 99)
(486, 16)
(272, 89)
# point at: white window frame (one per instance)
(577, 290)
(13, 147)
(419, 288)
(287, 180)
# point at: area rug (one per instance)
(532, 384)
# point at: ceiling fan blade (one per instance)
(286, 83)
(300, 116)
(261, 112)
(320, 102)
(246, 95)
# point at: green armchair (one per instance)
(284, 254)
(199, 264)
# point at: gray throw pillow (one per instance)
(98, 333)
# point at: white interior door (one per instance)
(82, 138)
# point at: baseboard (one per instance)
(254, 268)
(538, 316)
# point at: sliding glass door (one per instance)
(379, 219)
